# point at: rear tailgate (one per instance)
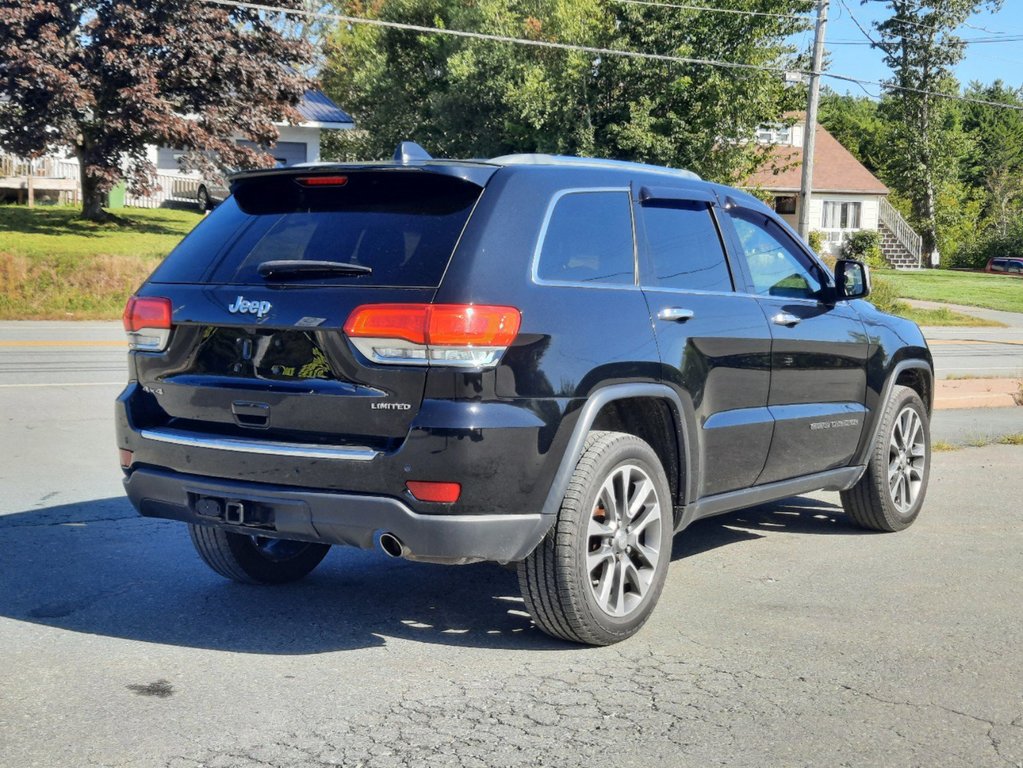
(266, 356)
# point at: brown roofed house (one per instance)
(846, 196)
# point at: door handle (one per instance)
(785, 318)
(675, 314)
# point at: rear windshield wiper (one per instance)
(307, 267)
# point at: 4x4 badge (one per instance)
(244, 306)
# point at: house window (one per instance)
(785, 204)
(774, 134)
(841, 215)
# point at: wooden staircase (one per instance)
(901, 245)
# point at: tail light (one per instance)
(463, 335)
(322, 181)
(441, 493)
(147, 321)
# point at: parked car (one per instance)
(212, 191)
(1012, 265)
(550, 362)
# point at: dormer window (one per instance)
(774, 134)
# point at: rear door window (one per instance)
(402, 225)
(588, 239)
(683, 248)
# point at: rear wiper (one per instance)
(306, 267)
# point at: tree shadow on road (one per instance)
(97, 568)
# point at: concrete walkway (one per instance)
(1009, 319)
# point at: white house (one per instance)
(57, 176)
(297, 143)
(846, 196)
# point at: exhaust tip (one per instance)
(392, 546)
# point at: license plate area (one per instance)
(270, 355)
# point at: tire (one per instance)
(255, 559)
(891, 492)
(202, 199)
(593, 581)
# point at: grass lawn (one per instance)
(974, 289)
(55, 266)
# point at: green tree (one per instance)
(469, 97)
(691, 115)
(460, 97)
(995, 161)
(920, 46)
(106, 78)
(857, 124)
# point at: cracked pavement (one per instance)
(784, 637)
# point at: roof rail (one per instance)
(589, 162)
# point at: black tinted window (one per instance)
(683, 248)
(589, 240)
(402, 225)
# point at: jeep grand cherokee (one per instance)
(550, 362)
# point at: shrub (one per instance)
(884, 297)
(865, 245)
(975, 254)
(815, 240)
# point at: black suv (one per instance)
(543, 361)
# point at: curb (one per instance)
(976, 393)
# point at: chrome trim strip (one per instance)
(262, 447)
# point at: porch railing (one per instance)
(168, 187)
(900, 228)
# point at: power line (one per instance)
(500, 38)
(651, 3)
(243, 4)
(921, 6)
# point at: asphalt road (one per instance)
(784, 637)
(996, 352)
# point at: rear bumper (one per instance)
(337, 518)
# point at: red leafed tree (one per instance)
(104, 78)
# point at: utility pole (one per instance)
(810, 134)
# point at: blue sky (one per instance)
(985, 62)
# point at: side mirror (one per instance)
(852, 279)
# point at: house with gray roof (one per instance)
(297, 143)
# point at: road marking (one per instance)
(67, 343)
(69, 384)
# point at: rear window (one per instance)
(401, 224)
(588, 239)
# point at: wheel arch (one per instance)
(916, 374)
(653, 412)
